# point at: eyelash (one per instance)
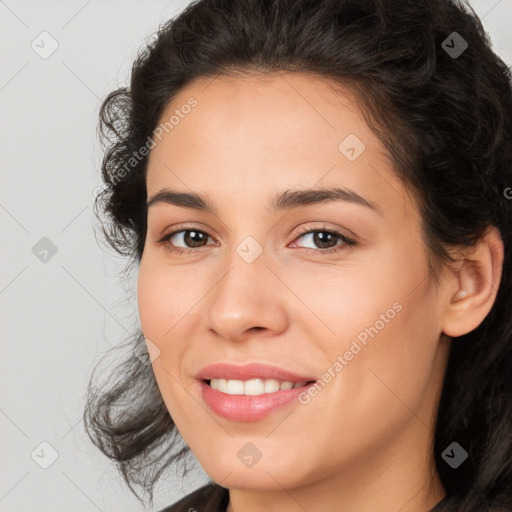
(347, 242)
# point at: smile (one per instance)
(253, 387)
(245, 407)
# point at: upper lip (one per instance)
(249, 371)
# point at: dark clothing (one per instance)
(214, 498)
(209, 498)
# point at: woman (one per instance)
(317, 196)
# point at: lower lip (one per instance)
(248, 407)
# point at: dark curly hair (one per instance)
(446, 121)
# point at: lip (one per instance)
(250, 371)
(247, 408)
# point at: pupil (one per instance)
(319, 238)
(189, 238)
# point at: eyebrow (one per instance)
(285, 200)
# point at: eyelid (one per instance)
(184, 226)
(302, 230)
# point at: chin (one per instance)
(265, 475)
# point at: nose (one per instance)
(247, 297)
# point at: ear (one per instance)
(472, 289)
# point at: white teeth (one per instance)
(222, 385)
(271, 385)
(252, 386)
(235, 387)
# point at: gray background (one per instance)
(58, 316)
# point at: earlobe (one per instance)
(476, 285)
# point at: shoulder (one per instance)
(209, 498)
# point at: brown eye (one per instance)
(186, 239)
(325, 240)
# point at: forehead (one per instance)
(268, 108)
(256, 134)
(308, 93)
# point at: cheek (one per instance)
(164, 296)
(341, 304)
(161, 305)
(149, 292)
(382, 323)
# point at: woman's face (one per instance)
(268, 278)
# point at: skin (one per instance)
(364, 442)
